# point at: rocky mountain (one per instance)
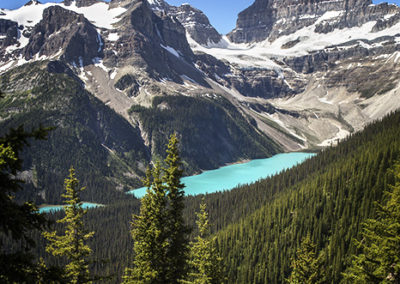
(272, 19)
(292, 75)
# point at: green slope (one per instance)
(108, 152)
(103, 147)
(329, 203)
(211, 131)
(259, 226)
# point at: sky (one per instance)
(221, 13)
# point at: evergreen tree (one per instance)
(149, 233)
(159, 233)
(177, 230)
(17, 220)
(306, 266)
(204, 261)
(72, 244)
(379, 257)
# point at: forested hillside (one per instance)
(87, 134)
(109, 151)
(259, 226)
(212, 131)
(328, 204)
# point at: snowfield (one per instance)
(99, 14)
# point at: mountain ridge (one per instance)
(313, 73)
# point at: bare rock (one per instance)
(66, 31)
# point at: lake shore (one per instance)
(242, 172)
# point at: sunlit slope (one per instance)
(329, 204)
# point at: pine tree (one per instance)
(17, 220)
(379, 257)
(149, 233)
(177, 230)
(72, 244)
(159, 233)
(306, 266)
(204, 261)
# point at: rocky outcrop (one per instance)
(361, 15)
(129, 84)
(8, 32)
(80, 3)
(382, 24)
(324, 60)
(155, 43)
(261, 83)
(212, 67)
(64, 32)
(32, 2)
(254, 82)
(59, 67)
(193, 20)
(196, 24)
(254, 23)
(270, 19)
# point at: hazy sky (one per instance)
(222, 13)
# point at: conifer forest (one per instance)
(207, 142)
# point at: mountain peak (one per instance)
(266, 19)
(81, 3)
(32, 2)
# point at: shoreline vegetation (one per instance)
(45, 208)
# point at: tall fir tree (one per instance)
(72, 244)
(149, 233)
(159, 233)
(177, 230)
(17, 220)
(204, 262)
(379, 257)
(307, 268)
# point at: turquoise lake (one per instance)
(229, 177)
(53, 208)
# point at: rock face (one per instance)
(8, 32)
(196, 24)
(64, 31)
(193, 20)
(80, 3)
(272, 19)
(312, 71)
(156, 42)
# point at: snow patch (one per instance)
(245, 56)
(330, 15)
(99, 14)
(274, 117)
(99, 41)
(113, 37)
(186, 78)
(170, 50)
(260, 55)
(113, 74)
(341, 134)
(325, 101)
(98, 62)
(6, 66)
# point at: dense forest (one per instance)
(87, 134)
(328, 203)
(108, 150)
(260, 226)
(212, 131)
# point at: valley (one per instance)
(114, 79)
